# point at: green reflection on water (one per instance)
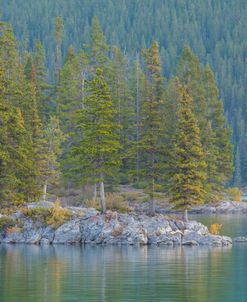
(73, 273)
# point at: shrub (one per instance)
(215, 228)
(54, 216)
(38, 214)
(58, 215)
(13, 229)
(235, 194)
(139, 185)
(6, 222)
(116, 202)
(92, 203)
(130, 196)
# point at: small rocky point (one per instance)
(91, 227)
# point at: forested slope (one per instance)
(215, 30)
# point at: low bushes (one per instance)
(235, 194)
(215, 228)
(116, 202)
(54, 216)
(6, 222)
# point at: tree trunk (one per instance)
(152, 207)
(186, 215)
(137, 119)
(152, 201)
(95, 192)
(45, 190)
(102, 196)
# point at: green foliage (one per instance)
(151, 146)
(97, 153)
(54, 216)
(188, 177)
(6, 222)
(120, 120)
(116, 202)
(214, 132)
(207, 26)
(235, 194)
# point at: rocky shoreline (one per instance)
(88, 226)
(222, 208)
(225, 207)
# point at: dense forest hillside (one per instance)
(215, 30)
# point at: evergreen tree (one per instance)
(152, 130)
(221, 132)
(98, 48)
(98, 153)
(137, 87)
(123, 102)
(70, 98)
(187, 181)
(214, 132)
(14, 155)
(40, 79)
(58, 35)
(53, 138)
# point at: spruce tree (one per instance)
(98, 48)
(123, 102)
(151, 122)
(53, 138)
(137, 87)
(58, 35)
(43, 89)
(221, 132)
(214, 131)
(188, 176)
(97, 155)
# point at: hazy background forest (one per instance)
(215, 30)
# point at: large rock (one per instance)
(87, 226)
(29, 233)
(40, 204)
(240, 239)
(68, 233)
(197, 238)
(224, 207)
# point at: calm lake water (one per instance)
(112, 274)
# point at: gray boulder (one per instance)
(68, 233)
(192, 237)
(240, 239)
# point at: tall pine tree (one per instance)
(189, 174)
(97, 155)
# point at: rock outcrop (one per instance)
(224, 207)
(240, 239)
(91, 227)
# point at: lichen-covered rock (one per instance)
(40, 204)
(87, 226)
(196, 227)
(29, 233)
(68, 233)
(224, 207)
(240, 239)
(44, 241)
(192, 237)
(173, 238)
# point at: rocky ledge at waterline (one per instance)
(223, 207)
(88, 226)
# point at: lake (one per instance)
(112, 274)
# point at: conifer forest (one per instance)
(104, 93)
